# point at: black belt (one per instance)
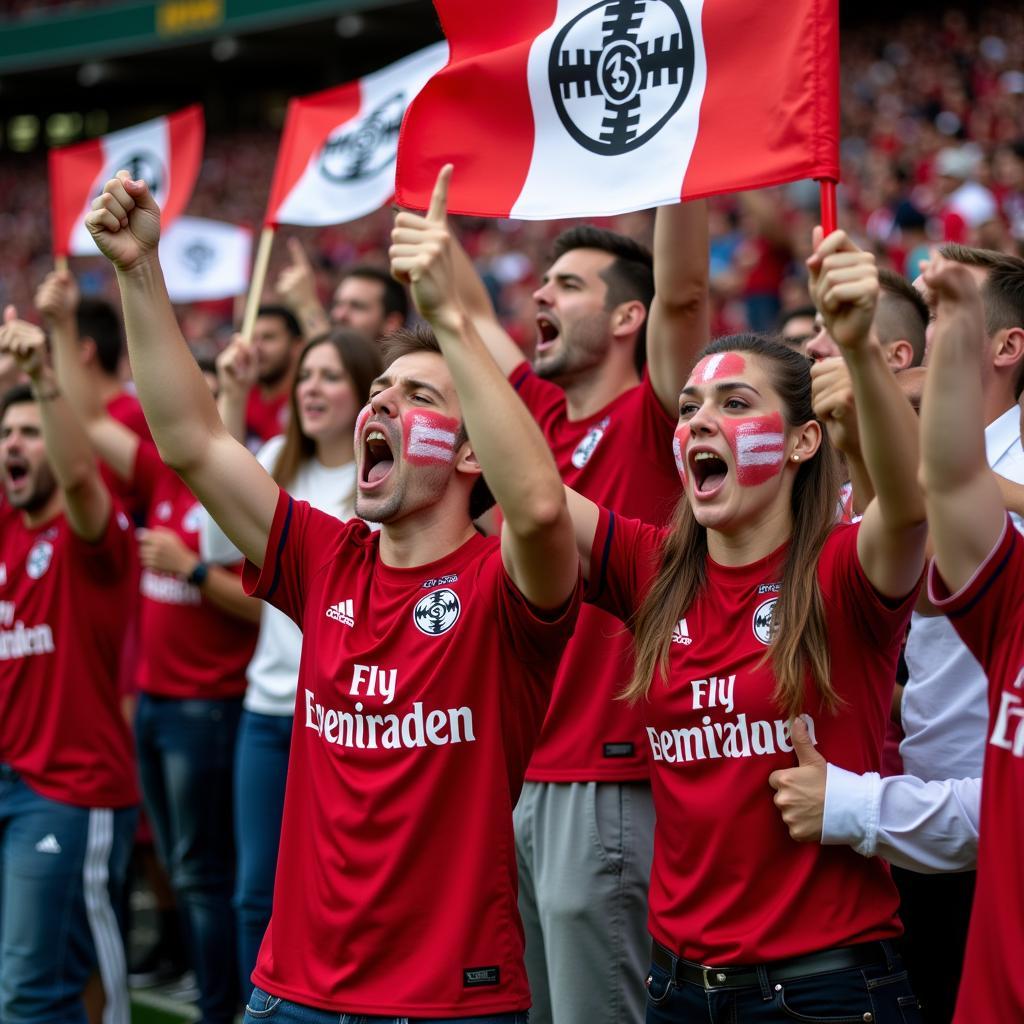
(747, 976)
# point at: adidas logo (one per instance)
(342, 612)
(681, 634)
(48, 844)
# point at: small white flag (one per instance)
(205, 259)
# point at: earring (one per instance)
(796, 458)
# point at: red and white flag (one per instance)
(165, 152)
(205, 259)
(571, 108)
(337, 156)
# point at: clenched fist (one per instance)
(125, 222)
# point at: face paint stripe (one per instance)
(712, 368)
(430, 451)
(421, 433)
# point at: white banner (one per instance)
(205, 259)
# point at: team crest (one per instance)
(193, 518)
(163, 510)
(586, 447)
(366, 148)
(764, 620)
(620, 70)
(435, 613)
(39, 559)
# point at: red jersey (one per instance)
(421, 692)
(189, 647)
(126, 409)
(265, 418)
(988, 616)
(62, 603)
(728, 884)
(620, 458)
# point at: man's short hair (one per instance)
(395, 297)
(97, 319)
(1002, 294)
(629, 277)
(799, 313)
(291, 325)
(902, 313)
(420, 338)
(17, 395)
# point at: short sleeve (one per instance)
(987, 608)
(623, 563)
(543, 399)
(851, 595)
(302, 540)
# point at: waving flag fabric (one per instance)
(205, 259)
(166, 152)
(560, 108)
(337, 156)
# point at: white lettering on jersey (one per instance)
(715, 692)
(710, 740)
(380, 682)
(24, 641)
(1008, 731)
(342, 612)
(168, 589)
(417, 728)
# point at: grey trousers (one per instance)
(584, 851)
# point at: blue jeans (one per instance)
(261, 767)
(62, 875)
(880, 994)
(263, 1006)
(186, 756)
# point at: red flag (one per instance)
(165, 152)
(562, 108)
(337, 155)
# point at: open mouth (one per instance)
(547, 332)
(378, 457)
(16, 472)
(708, 471)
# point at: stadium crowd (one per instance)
(363, 576)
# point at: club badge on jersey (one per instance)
(435, 613)
(586, 447)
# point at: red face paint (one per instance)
(722, 366)
(758, 445)
(428, 438)
(679, 439)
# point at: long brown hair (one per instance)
(799, 634)
(361, 361)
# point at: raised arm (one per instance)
(966, 512)
(678, 326)
(844, 283)
(57, 301)
(87, 503)
(223, 475)
(236, 377)
(537, 540)
(474, 299)
(296, 286)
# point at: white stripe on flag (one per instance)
(567, 180)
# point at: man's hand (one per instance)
(57, 298)
(24, 342)
(236, 369)
(800, 791)
(958, 305)
(832, 398)
(125, 222)
(296, 284)
(421, 254)
(844, 286)
(162, 550)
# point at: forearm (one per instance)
(178, 405)
(515, 458)
(678, 327)
(223, 588)
(312, 318)
(71, 375)
(232, 414)
(889, 434)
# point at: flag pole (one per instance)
(259, 276)
(828, 205)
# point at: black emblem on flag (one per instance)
(368, 147)
(198, 257)
(764, 620)
(436, 612)
(619, 95)
(143, 166)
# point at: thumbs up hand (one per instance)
(800, 791)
